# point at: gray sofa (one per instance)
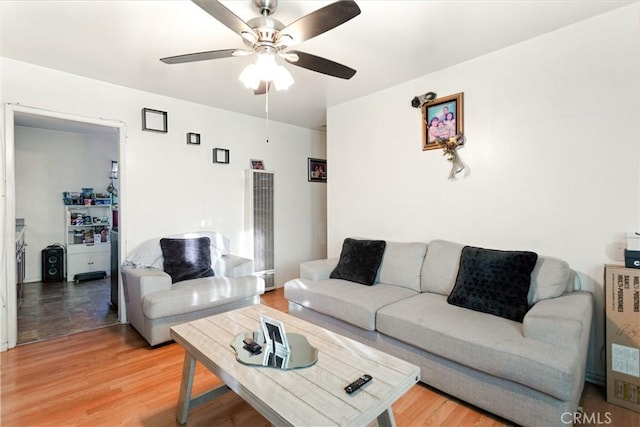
(529, 373)
(154, 303)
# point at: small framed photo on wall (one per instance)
(317, 169)
(442, 118)
(257, 164)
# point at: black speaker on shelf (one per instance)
(53, 264)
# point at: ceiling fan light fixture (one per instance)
(267, 69)
(283, 79)
(250, 77)
(267, 66)
(250, 37)
(283, 41)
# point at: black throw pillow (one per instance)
(359, 261)
(494, 282)
(186, 259)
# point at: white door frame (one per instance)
(8, 291)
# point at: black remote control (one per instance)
(252, 346)
(351, 388)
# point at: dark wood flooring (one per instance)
(50, 310)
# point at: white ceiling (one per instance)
(389, 43)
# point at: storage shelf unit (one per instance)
(87, 239)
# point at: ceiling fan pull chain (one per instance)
(266, 109)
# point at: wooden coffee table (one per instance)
(308, 396)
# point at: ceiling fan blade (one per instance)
(263, 88)
(242, 52)
(200, 56)
(321, 20)
(224, 16)
(321, 65)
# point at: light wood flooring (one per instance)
(55, 309)
(111, 377)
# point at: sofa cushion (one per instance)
(186, 259)
(146, 254)
(487, 343)
(149, 253)
(549, 279)
(219, 244)
(345, 300)
(200, 294)
(440, 267)
(401, 264)
(493, 281)
(359, 261)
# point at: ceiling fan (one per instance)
(268, 38)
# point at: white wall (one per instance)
(172, 187)
(553, 154)
(47, 163)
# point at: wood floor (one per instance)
(50, 310)
(111, 377)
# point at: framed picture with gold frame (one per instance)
(442, 118)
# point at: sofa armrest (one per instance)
(319, 269)
(233, 266)
(564, 321)
(139, 282)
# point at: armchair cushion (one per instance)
(146, 254)
(149, 253)
(186, 259)
(190, 296)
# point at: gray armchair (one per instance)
(154, 303)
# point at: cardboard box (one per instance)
(622, 309)
(633, 241)
(631, 258)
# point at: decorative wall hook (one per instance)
(449, 148)
(420, 100)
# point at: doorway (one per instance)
(49, 310)
(18, 120)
